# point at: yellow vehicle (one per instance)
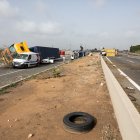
(11, 52)
(19, 47)
(109, 52)
(6, 56)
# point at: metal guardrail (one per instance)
(127, 116)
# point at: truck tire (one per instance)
(79, 122)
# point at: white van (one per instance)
(25, 60)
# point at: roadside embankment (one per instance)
(37, 106)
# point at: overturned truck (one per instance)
(9, 53)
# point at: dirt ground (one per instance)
(37, 106)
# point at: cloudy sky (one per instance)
(71, 23)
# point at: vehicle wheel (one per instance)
(79, 122)
(37, 64)
(26, 66)
(13, 66)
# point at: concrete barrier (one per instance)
(127, 116)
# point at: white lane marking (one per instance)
(32, 75)
(109, 60)
(129, 79)
(10, 73)
(130, 61)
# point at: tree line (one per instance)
(135, 48)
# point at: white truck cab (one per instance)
(25, 60)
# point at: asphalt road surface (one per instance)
(129, 64)
(9, 75)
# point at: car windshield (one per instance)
(22, 56)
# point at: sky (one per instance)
(67, 24)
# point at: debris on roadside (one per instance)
(131, 97)
(129, 88)
(101, 84)
(79, 122)
(30, 135)
(16, 120)
(130, 93)
(90, 54)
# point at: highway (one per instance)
(9, 75)
(129, 64)
(126, 69)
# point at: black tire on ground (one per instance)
(79, 122)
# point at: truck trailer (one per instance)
(47, 54)
(37, 55)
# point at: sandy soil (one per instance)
(38, 106)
